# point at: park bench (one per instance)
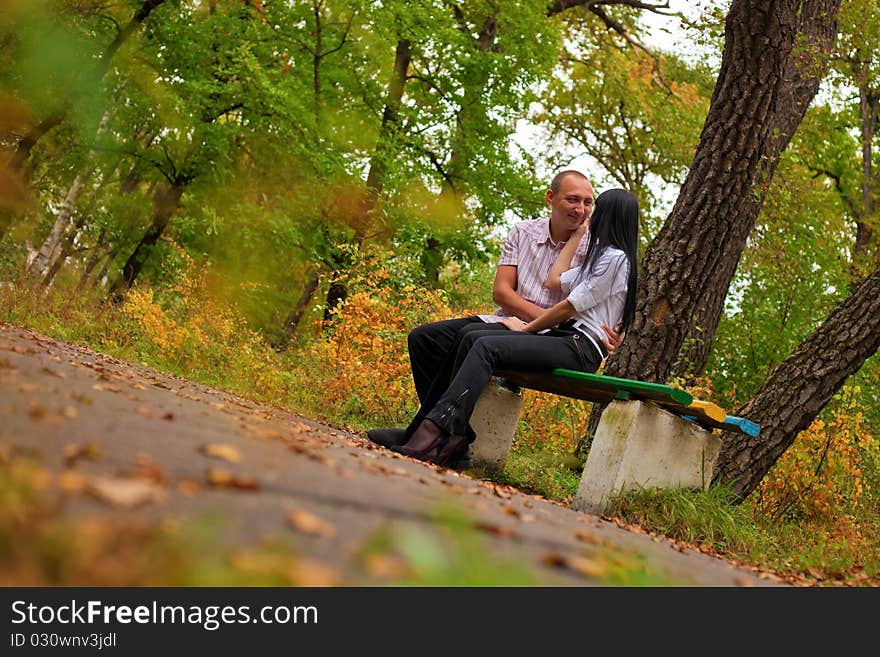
(650, 435)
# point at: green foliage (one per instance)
(790, 277)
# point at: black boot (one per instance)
(389, 438)
(424, 443)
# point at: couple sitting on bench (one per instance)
(570, 283)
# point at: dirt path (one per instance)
(131, 444)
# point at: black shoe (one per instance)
(425, 443)
(388, 437)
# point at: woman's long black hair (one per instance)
(615, 222)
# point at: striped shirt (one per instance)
(530, 249)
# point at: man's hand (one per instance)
(613, 338)
(514, 323)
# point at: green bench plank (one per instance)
(596, 387)
(599, 388)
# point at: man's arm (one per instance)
(505, 295)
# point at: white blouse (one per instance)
(599, 297)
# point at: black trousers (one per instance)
(432, 356)
(479, 353)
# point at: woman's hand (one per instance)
(514, 323)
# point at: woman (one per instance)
(601, 292)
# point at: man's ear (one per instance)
(549, 196)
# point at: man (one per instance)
(529, 252)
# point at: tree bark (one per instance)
(800, 387)
(302, 304)
(761, 94)
(52, 244)
(389, 129)
(99, 252)
(165, 204)
(800, 82)
(388, 133)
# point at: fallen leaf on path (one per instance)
(55, 373)
(496, 530)
(69, 412)
(587, 567)
(82, 399)
(503, 494)
(22, 350)
(305, 572)
(146, 468)
(742, 580)
(149, 412)
(189, 487)
(221, 451)
(125, 493)
(37, 412)
(310, 453)
(72, 482)
(383, 469)
(587, 537)
(77, 452)
(106, 387)
(265, 433)
(225, 479)
(309, 523)
(6, 363)
(386, 566)
(137, 386)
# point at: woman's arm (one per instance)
(563, 260)
(550, 317)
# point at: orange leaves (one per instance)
(309, 523)
(583, 566)
(220, 478)
(125, 493)
(221, 451)
(820, 477)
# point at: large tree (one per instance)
(770, 71)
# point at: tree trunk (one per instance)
(761, 94)
(388, 131)
(337, 293)
(166, 202)
(98, 254)
(299, 310)
(65, 249)
(52, 244)
(385, 151)
(800, 387)
(102, 275)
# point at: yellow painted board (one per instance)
(709, 409)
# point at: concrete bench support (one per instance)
(494, 421)
(639, 445)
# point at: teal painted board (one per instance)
(745, 426)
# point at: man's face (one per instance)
(572, 204)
